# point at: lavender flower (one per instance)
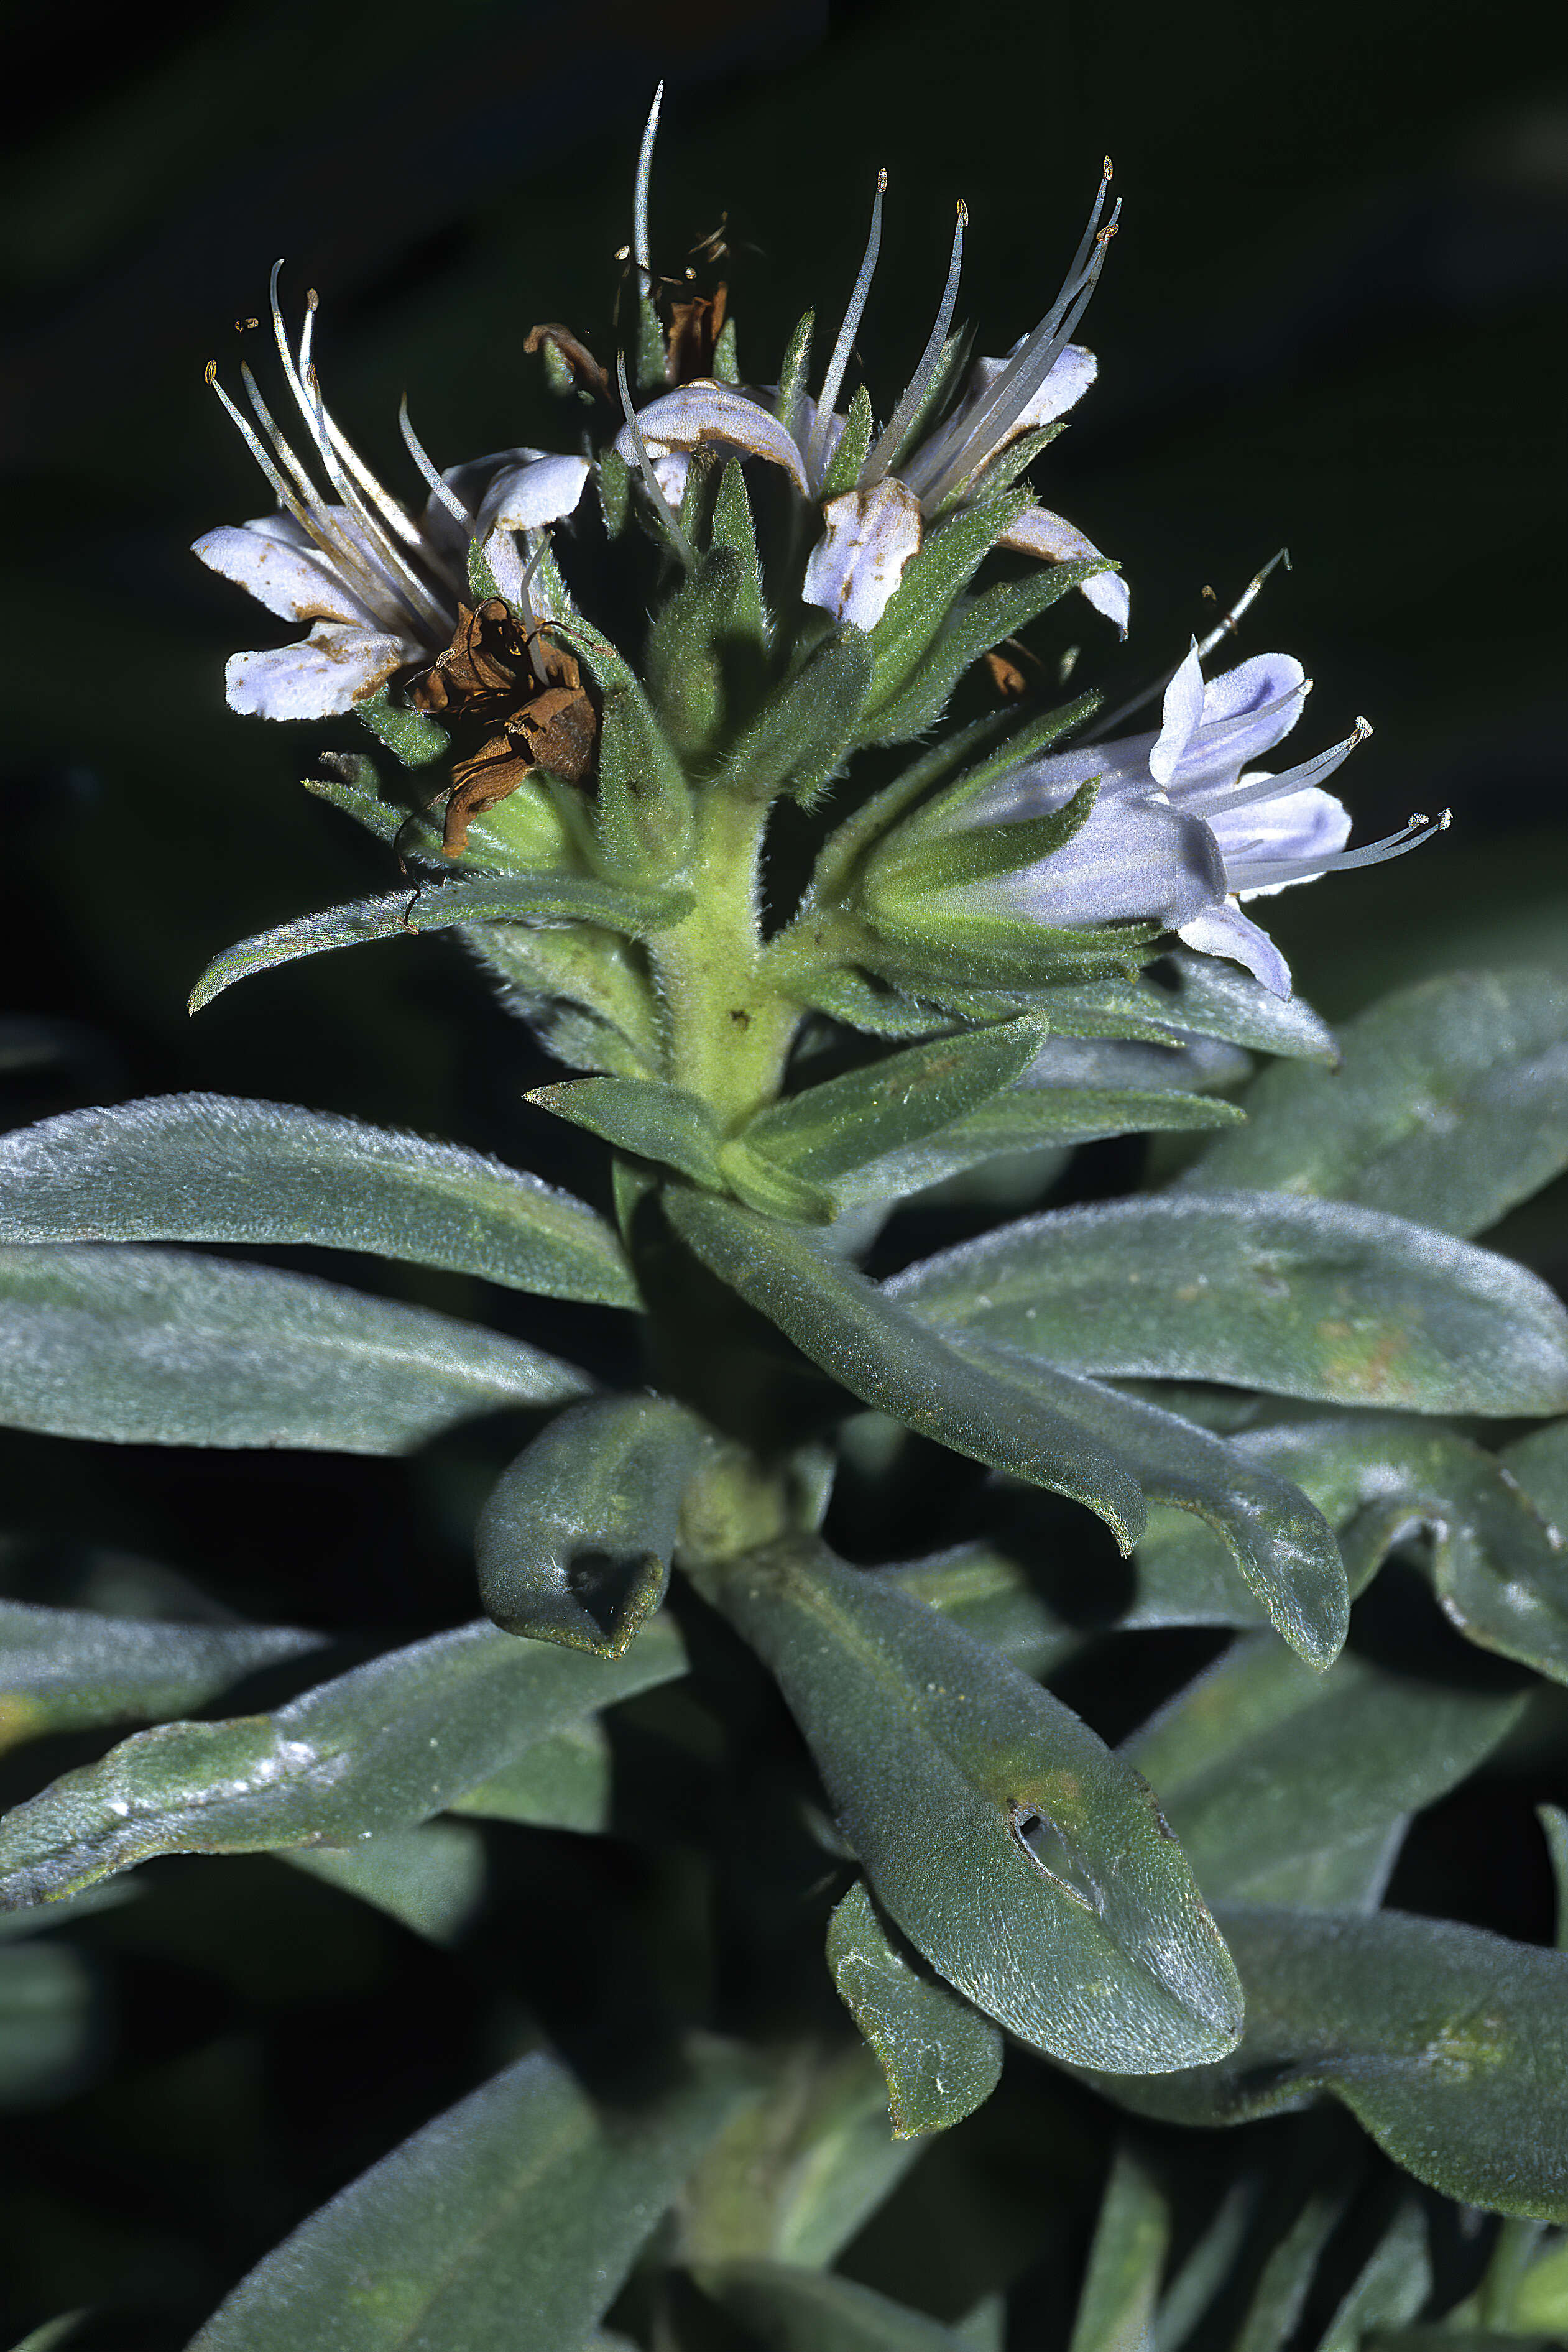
(380, 588)
(1182, 827)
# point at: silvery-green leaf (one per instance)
(884, 1107)
(1116, 2309)
(1281, 1542)
(794, 2178)
(1027, 1864)
(53, 2333)
(794, 2310)
(1390, 2286)
(62, 1669)
(1448, 2044)
(48, 2022)
(641, 1116)
(430, 1878)
(1287, 1786)
(492, 897)
(559, 1784)
(1554, 1829)
(983, 1590)
(851, 1329)
(155, 1347)
(942, 2058)
(1275, 2306)
(376, 1749)
(201, 1168)
(574, 1543)
(1451, 1105)
(1539, 1462)
(509, 2222)
(1310, 1299)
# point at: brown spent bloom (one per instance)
(514, 702)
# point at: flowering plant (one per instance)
(615, 695)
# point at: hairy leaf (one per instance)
(510, 2220)
(1448, 2044)
(376, 1749)
(575, 1540)
(1311, 1299)
(429, 1877)
(641, 1116)
(203, 1168)
(942, 2058)
(61, 1669)
(559, 1784)
(1452, 1104)
(1027, 1864)
(154, 1348)
(852, 1330)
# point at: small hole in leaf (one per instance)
(1048, 1850)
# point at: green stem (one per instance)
(728, 1028)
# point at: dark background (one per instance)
(1333, 320)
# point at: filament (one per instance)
(920, 383)
(817, 445)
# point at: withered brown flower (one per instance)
(513, 701)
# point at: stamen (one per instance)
(972, 439)
(816, 447)
(390, 507)
(665, 512)
(920, 383)
(1417, 829)
(1301, 779)
(440, 489)
(525, 607)
(286, 495)
(1225, 624)
(641, 251)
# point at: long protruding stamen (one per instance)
(1301, 779)
(642, 252)
(1225, 626)
(391, 510)
(525, 609)
(287, 496)
(670, 520)
(1271, 872)
(816, 446)
(887, 442)
(427, 467)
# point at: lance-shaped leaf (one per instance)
(852, 1330)
(803, 730)
(684, 659)
(1452, 1106)
(1287, 1786)
(1280, 1541)
(828, 1129)
(201, 1168)
(1028, 1865)
(53, 2335)
(971, 629)
(942, 2058)
(1448, 2044)
(1116, 2309)
(511, 2219)
(1499, 1571)
(930, 583)
(983, 1590)
(61, 1669)
(379, 1748)
(1199, 995)
(560, 1783)
(49, 2022)
(574, 1543)
(430, 1878)
(1390, 2286)
(495, 898)
(1311, 1299)
(814, 2311)
(641, 1116)
(153, 1348)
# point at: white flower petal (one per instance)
(1038, 531)
(326, 673)
(1070, 377)
(1246, 711)
(1225, 930)
(713, 415)
(281, 568)
(1310, 823)
(868, 537)
(1181, 715)
(527, 496)
(1137, 857)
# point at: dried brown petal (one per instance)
(576, 354)
(694, 330)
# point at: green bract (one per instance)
(984, 1644)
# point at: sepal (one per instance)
(412, 737)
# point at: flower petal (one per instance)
(1310, 823)
(1138, 858)
(1246, 711)
(1225, 930)
(868, 537)
(275, 561)
(527, 496)
(327, 672)
(1038, 531)
(1181, 715)
(705, 414)
(1070, 377)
